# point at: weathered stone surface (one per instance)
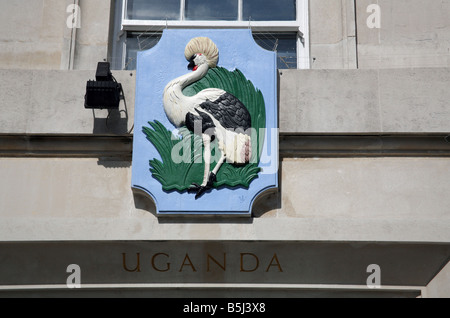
(364, 101)
(371, 199)
(311, 101)
(413, 33)
(52, 102)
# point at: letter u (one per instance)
(138, 263)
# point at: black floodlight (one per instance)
(105, 92)
(103, 72)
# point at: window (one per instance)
(226, 10)
(153, 10)
(138, 42)
(277, 25)
(284, 43)
(269, 10)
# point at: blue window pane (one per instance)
(138, 42)
(269, 10)
(153, 9)
(285, 44)
(211, 10)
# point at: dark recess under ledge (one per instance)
(290, 145)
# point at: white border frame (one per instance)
(301, 26)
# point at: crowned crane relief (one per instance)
(212, 115)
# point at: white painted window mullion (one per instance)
(303, 54)
(240, 10)
(124, 12)
(182, 9)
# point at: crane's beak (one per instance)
(191, 65)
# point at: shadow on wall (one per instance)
(116, 122)
(113, 121)
(114, 162)
(270, 202)
(143, 202)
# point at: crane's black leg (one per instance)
(199, 189)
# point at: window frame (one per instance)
(300, 26)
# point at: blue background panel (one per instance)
(163, 63)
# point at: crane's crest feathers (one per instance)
(204, 46)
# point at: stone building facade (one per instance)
(362, 208)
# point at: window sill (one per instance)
(158, 25)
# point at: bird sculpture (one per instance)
(212, 113)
